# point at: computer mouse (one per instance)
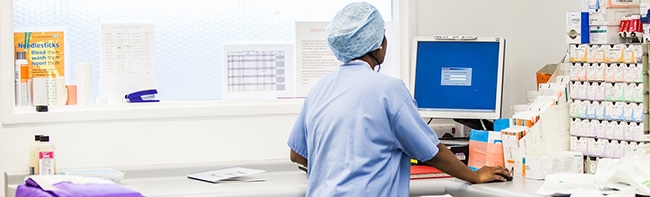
(508, 178)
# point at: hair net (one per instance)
(355, 30)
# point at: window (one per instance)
(190, 41)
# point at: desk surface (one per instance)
(284, 179)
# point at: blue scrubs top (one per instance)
(358, 130)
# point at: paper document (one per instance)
(254, 71)
(215, 176)
(127, 59)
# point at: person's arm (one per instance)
(296, 158)
(448, 163)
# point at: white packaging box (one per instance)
(591, 71)
(573, 89)
(591, 146)
(610, 150)
(578, 52)
(601, 147)
(609, 16)
(638, 112)
(629, 112)
(582, 145)
(601, 51)
(573, 71)
(638, 130)
(619, 130)
(610, 73)
(637, 50)
(584, 127)
(619, 111)
(592, 109)
(600, 129)
(621, 3)
(573, 113)
(600, 72)
(537, 167)
(600, 110)
(511, 149)
(573, 126)
(601, 92)
(592, 92)
(573, 28)
(621, 146)
(614, 53)
(591, 53)
(610, 129)
(574, 143)
(604, 34)
(638, 92)
(619, 72)
(582, 90)
(630, 147)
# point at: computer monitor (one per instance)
(459, 78)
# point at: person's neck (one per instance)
(371, 61)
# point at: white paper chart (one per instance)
(258, 71)
(127, 60)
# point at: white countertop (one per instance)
(282, 179)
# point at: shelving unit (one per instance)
(609, 99)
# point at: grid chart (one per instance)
(252, 71)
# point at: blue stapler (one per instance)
(142, 96)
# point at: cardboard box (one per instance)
(610, 16)
(604, 34)
(545, 73)
(622, 3)
(511, 149)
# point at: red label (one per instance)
(46, 155)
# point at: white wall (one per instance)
(534, 35)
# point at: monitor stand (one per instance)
(487, 125)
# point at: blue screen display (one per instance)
(457, 76)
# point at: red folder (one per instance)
(426, 172)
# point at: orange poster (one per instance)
(43, 52)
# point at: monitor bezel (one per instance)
(447, 114)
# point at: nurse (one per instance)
(358, 129)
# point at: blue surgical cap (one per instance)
(355, 30)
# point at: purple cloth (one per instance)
(65, 189)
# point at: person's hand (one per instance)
(489, 173)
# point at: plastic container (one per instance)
(22, 79)
(33, 155)
(46, 157)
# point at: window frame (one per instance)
(12, 114)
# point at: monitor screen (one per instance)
(458, 78)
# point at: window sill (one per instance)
(130, 111)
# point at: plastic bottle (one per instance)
(46, 157)
(33, 155)
(22, 79)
